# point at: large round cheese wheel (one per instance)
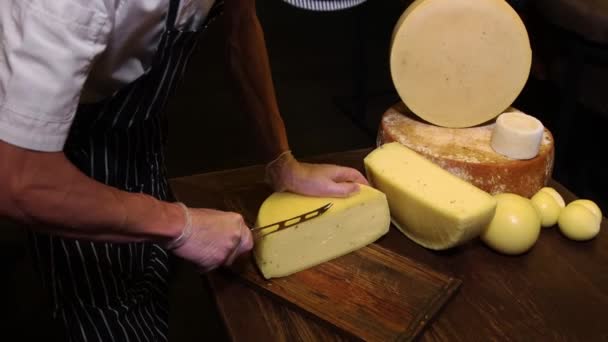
(468, 154)
(459, 63)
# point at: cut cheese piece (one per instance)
(459, 63)
(351, 223)
(467, 153)
(428, 204)
(517, 135)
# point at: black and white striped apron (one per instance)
(324, 5)
(119, 292)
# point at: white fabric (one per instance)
(55, 53)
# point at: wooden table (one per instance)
(557, 291)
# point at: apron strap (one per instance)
(172, 16)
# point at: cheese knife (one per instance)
(260, 232)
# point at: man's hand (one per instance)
(249, 67)
(287, 174)
(217, 239)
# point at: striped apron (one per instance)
(324, 5)
(119, 292)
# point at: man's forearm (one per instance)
(46, 191)
(249, 66)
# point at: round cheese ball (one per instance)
(549, 204)
(580, 220)
(515, 226)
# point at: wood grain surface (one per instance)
(372, 294)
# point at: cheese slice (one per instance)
(427, 203)
(351, 223)
(517, 135)
(459, 63)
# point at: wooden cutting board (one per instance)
(371, 294)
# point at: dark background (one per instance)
(333, 84)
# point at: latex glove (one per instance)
(212, 238)
(287, 174)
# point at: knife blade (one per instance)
(259, 232)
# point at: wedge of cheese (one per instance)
(459, 63)
(351, 223)
(428, 204)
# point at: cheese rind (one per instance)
(351, 223)
(459, 63)
(428, 204)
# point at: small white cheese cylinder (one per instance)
(517, 135)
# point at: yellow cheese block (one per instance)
(428, 204)
(459, 63)
(351, 223)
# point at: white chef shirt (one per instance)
(55, 54)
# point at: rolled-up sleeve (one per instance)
(46, 52)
